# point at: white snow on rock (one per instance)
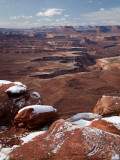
(35, 95)
(84, 116)
(5, 151)
(114, 97)
(2, 82)
(39, 109)
(16, 89)
(30, 136)
(115, 120)
(92, 138)
(19, 83)
(116, 157)
(82, 122)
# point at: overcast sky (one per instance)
(35, 13)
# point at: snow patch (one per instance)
(115, 120)
(82, 122)
(39, 109)
(83, 115)
(19, 83)
(16, 89)
(114, 97)
(35, 95)
(5, 151)
(2, 82)
(31, 136)
(116, 157)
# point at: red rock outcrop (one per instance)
(69, 141)
(13, 99)
(106, 126)
(67, 29)
(35, 116)
(108, 106)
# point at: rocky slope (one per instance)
(83, 136)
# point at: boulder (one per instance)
(5, 108)
(65, 140)
(109, 124)
(12, 88)
(108, 106)
(16, 90)
(35, 116)
(13, 97)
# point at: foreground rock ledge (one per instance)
(64, 141)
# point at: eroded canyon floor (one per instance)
(69, 70)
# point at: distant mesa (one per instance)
(104, 29)
(67, 29)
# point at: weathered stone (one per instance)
(65, 140)
(108, 126)
(29, 119)
(108, 106)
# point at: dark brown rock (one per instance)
(108, 106)
(69, 141)
(5, 108)
(28, 119)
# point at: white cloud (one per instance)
(61, 19)
(47, 19)
(66, 15)
(90, 1)
(25, 24)
(13, 17)
(77, 18)
(27, 17)
(102, 9)
(44, 19)
(20, 16)
(51, 12)
(103, 17)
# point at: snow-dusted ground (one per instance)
(39, 109)
(4, 152)
(84, 116)
(92, 138)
